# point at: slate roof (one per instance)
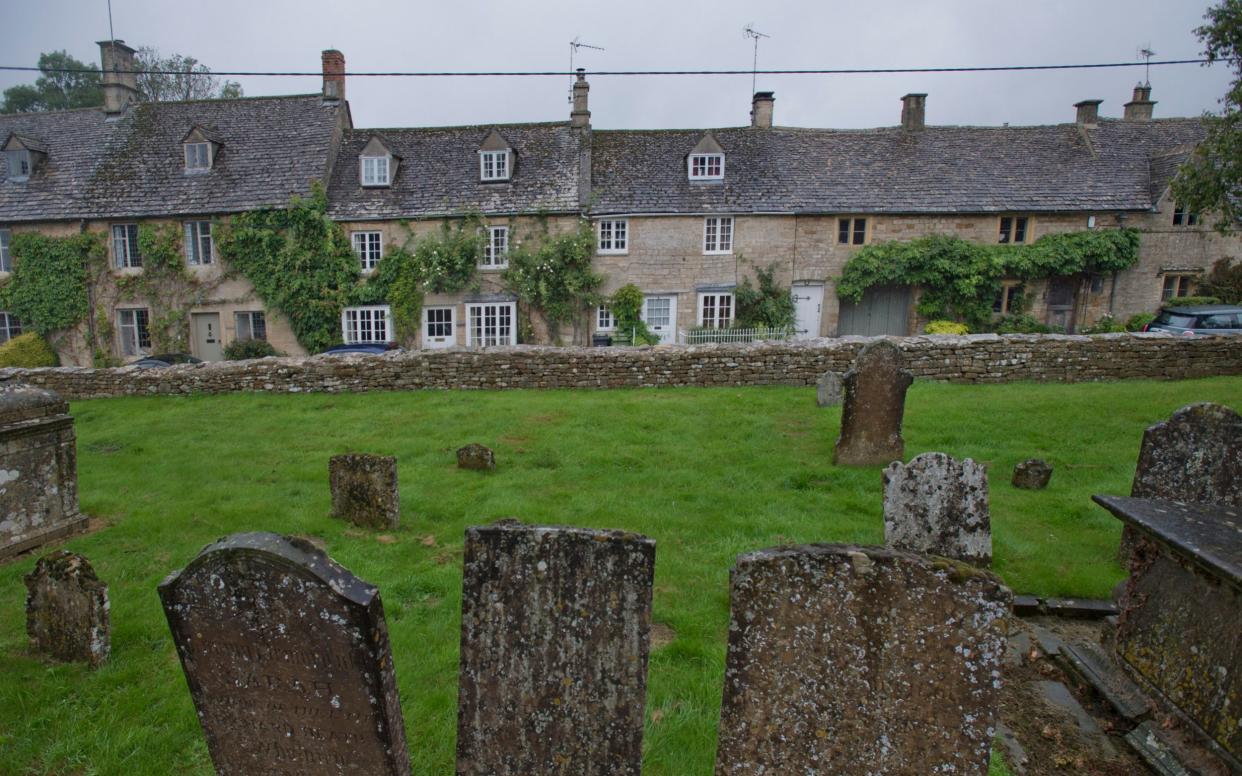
(272, 147)
(936, 170)
(439, 173)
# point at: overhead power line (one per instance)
(562, 73)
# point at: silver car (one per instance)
(1200, 319)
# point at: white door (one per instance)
(660, 315)
(207, 336)
(439, 330)
(808, 310)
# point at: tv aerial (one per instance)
(1146, 53)
(755, 35)
(574, 45)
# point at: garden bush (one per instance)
(241, 350)
(1021, 324)
(946, 327)
(27, 350)
(1137, 321)
(1191, 301)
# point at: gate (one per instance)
(883, 310)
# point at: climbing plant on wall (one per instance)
(553, 274)
(48, 287)
(768, 305)
(959, 279)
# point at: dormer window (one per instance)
(706, 167)
(377, 164)
(201, 146)
(494, 165)
(22, 154)
(198, 156)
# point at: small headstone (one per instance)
(554, 642)
(476, 456)
(1032, 474)
(828, 390)
(287, 657)
(856, 661)
(364, 489)
(875, 402)
(938, 505)
(67, 609)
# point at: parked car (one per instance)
(1199, 319)
(166, 359)
(360, 347)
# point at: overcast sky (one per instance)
(662, 34)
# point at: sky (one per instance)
(479, 35)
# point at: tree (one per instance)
(178, 77)
(55, 90)
(1211, 180)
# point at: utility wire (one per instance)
(562, 73)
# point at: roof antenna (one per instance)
(574, 45)
(111, 34)
(1146, 53)
(755, 35)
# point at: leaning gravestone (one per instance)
(875, 402)
(554, 642)
(287, 657)
(1195, 456)
(364, 489)
(67, 609)
(938, 505)
(477, 457)
(860, 661)
(828, 390)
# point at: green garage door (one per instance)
(883, 310)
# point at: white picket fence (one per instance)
(704, 336)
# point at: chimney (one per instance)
(913, 111)
(1140, 108)
(119, 81)
(333, 76)
(580, 116)
(1088, 112)
(761, 110)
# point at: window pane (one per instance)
(843, 231)
(1019, 232)
(6, 260)
(726, 234)
(860, 231)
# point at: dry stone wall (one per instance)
(978, 358)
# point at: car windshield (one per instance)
(1166, 318)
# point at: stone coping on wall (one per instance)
(972, 358)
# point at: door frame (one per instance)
(452, 338)
(672, 317)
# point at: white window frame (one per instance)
(477, 318)
(495, 165)
(375, 171)
(249, 316)
(699, 167)
(604, 319)
(359, 324)
(717, 302)
(6, 251)
(18, 160)
(369, 248)
(451, 323)
(613, 236)
(717, 235)
(125, 251)
(497, 240)
(200, 246)
(129, 338)
(10, 327)
(196, 153)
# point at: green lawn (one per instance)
(708, 473)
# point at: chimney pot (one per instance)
(118, 79)
(580, 116)
(333, 75)
(761, 107)
(913, 111)
(1140, 108)
(1088, 112)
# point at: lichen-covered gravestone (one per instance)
(476, 456)
(287, 657)
(554, 642)
(67, 609)
(1195, 456)
(364, 489)
(38, 469)
(938, 505)
(875, 403)
(860, 661)
(828, 390)
(1032, 474)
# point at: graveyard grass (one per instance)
(708, 473)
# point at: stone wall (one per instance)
(979, 358)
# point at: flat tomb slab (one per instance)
(1210, 535)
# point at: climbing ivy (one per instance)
(48, 287)
(553, 274)
(165, 285)
(959, 279)
(626, 305)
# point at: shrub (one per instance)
(1021, 324)
(627, 306)
(1106, 325)
(27, 350)
(1191, 301)
(768, 305)
(241, 350)
(1224, 281)
(1137, 321)
(946, 327)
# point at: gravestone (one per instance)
(938, 505)
(828, 390)
(1195, 456)
(875, 401)
(1032, 474)
(860, 661)
(67, 609)
(287, 657)
(554, 642)
(364, 489)
(38, 469)
(477, 457)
